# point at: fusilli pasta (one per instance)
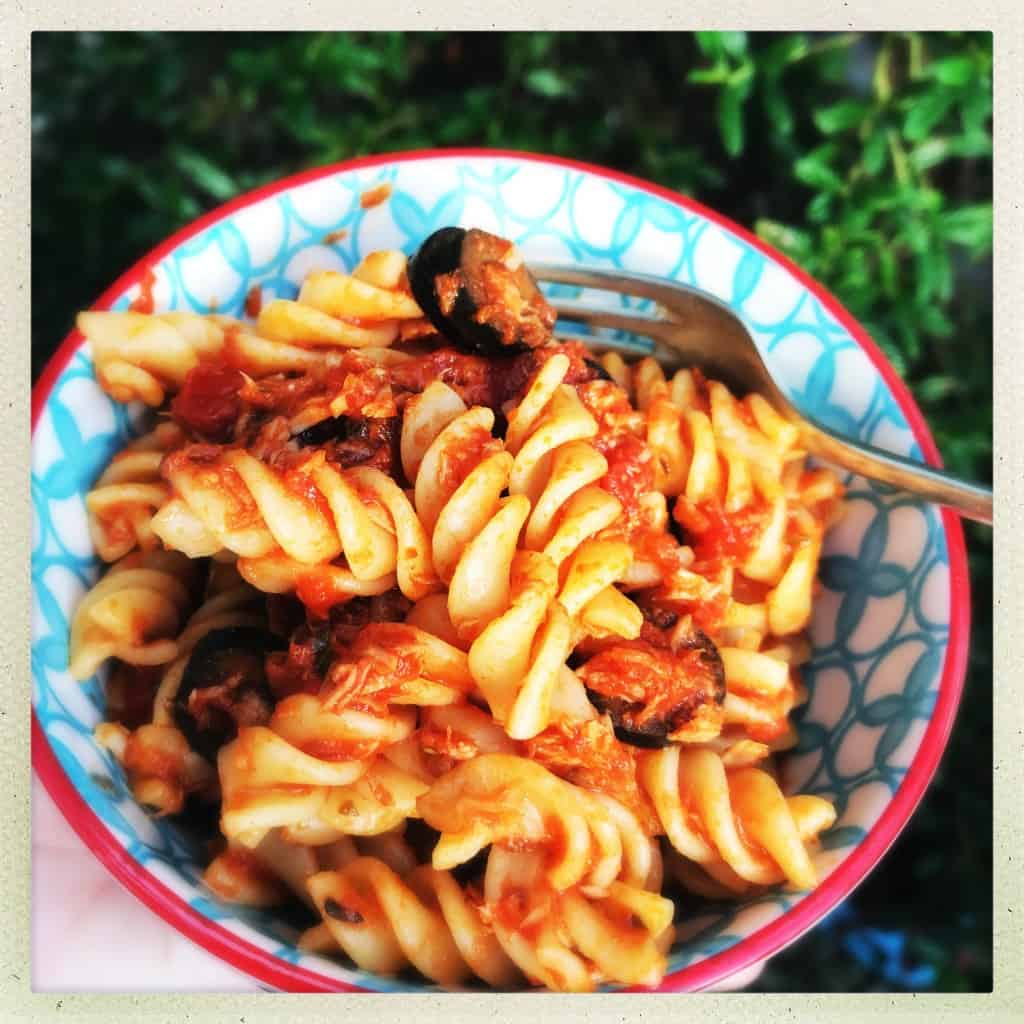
(489, 628)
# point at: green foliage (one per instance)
(865, 158)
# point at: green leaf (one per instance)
(970, 226)
(730, 119)
(783, 51)
(875, 153)
(887, 270)
(931, 152)
(777, 109)
(205, 174)
(733, 43)
(813, 169)
(935, 322)
(708, 76)
(819, 209)
(710, 43)
(952, 70)
(548, 83)
(840, 116)
(926, 112)
(790, 240)
(935, 389)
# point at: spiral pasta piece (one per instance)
(500, 599)
(264, 876)
(736, 825)
(510, 800)
(267, 782)
(721, 456)
(558, 470)
(563, 939)
(122, 502)
(133, 613)
(162, 768)
(384, 923)
(142, 356)
(288, 528)
(447, 735)
(359, 310)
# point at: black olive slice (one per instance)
(698, 640)
(355, 440)
(599, 372)
(331, 429)
(224, 685)
(650, 734)
(476, 296)
(633, 719)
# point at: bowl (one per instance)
(890, 629)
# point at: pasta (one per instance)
(481, 649)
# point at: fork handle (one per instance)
(916, 478)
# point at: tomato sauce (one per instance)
(144, 302)
(208, 403)
(718, 538)
(253, 301)
(460, 460)
(300, 483)
(366, 392)
(469, 375)
(375, 196)
(630, 470)
(512, 908)
(319, 591)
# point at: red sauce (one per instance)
(718, 538)
(281, 395)
(769, 731)
(471, 376)
(708, 615)
(339, 750)
(630, 469)
(511, 909)
(208, 404)
(460, 460)
(363, 392)
(319, 591)
(335, 236)
(143, 302)
(654, 677)
(382, 660)
(253, 301)
(375, 196)
(300, 483)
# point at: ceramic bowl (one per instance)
(890, 623)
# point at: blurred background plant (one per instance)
(867, 158)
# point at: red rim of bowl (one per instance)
(271, 970)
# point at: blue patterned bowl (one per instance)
(890, 629)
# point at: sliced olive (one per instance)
(475, 289)
(652, 692)
(356, 440)
(224, 686)
(599, 372)
(331, 429)
(698, 640)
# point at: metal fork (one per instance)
(695, 329)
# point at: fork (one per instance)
(696, 329)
